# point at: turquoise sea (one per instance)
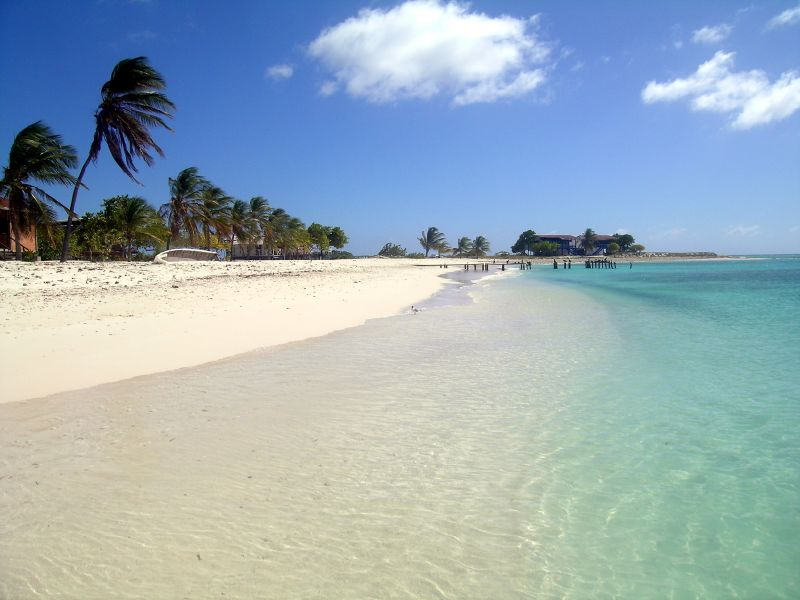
(629, 433)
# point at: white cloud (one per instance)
(743, 230)
(715, 87)
(328, 88)
(426, 48)
(491, 90)
(790, 16)
(711, 35)
(279, 72)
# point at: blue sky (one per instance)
(678, 122)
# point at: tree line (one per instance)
(132, 102)
(529, 244)
(199, 214)
(434, 240)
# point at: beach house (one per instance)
(567, 244)
(8, 241)
(601, 243)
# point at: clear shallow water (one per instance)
(580, 434)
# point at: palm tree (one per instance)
(258, 212)
(431, 240)
(442, 247)
(464, 246)
(37, 154)
(278, 221)
(480, 246)
(136, 219)
(294, 237)
(131, 103)
(589, 240)
(185, 205)
(240, 226)
(212, 212)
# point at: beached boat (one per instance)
(185, 254)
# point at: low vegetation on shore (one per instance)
(528, 245)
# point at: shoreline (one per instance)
(75, 326)
(79, 325)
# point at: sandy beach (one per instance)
(81, 324)
(67, 327)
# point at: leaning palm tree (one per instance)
(240, 227)
(480, 246)
(464, 246)
(37, 155)
(131, 103)
(301, 239)
(294, 238)
(136, 220)
(258, 211)
(185, 205)
(212, 212)
(277, 223)
(431, 240)
(442, 247)
(589, 241)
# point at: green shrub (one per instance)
(392, 250)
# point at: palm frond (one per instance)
(131, 105)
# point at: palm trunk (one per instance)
(17, 235)
(171, 231)
(68, 230)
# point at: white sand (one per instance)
(67, 327)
